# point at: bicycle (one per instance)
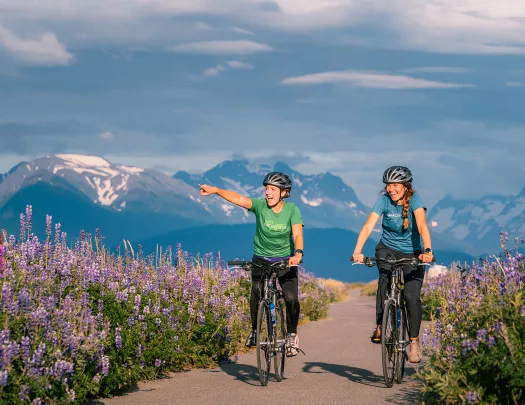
(271, 323)
(395, 340)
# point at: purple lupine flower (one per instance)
(118, 338)
(104, 365)
(26, 347)
(472, 397)
(29, 219)
(49, 224)
(38, 355)
(482, 335)
(24, 393)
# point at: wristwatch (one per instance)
(428, 250)
(299, 251)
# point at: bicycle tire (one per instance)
(263, 342)
(388, 342)
(279, 354)
(401, 353)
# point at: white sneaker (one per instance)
(292, 345)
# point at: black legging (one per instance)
(290, 286)
(413, 278)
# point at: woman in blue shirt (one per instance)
(405, 234)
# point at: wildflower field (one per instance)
(80, 321)
(476, 341)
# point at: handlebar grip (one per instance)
(238, 263)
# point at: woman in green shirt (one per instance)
(278, 236)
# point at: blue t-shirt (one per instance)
(394, 236)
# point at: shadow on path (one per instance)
(128, 389)
(354, 374)
(244, 372)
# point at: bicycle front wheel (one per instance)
(264, 346)
(280, 340)
(389, 342)
(403, 344)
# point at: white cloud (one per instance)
(451, 26)
(365, 79)
(242, 31)
(436, 69)
(107, 136)
(214, 71)
(235, 64)
(232, 64)
(45, 50)
(240, 47)
(515, 84)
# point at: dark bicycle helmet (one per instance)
(397, 174)
(280, 180)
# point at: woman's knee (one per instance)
(412, 299)
(291, 296)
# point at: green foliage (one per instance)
(477, 344)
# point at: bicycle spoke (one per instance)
(263, 343)
(280, 340)
(388, 343)
(401, 350)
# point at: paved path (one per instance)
(341, 366)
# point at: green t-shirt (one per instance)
(273, 232)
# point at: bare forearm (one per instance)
(298, 241)
(361, 239)
(230, 196)
(425, 235)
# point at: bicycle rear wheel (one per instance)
(401, 351)
(388, 342)
(280, 340)
(264, 346)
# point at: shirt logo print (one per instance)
(275, 227)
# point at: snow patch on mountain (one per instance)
(315, 202)
(99, 174)
(84, 160)
(297, 180)
(106, 194)
(131, 169)
(245, 190)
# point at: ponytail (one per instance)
(406, 204)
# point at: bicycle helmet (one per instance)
(280, 180)
(397, 174)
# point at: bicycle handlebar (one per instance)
(414, 261)
(269, 265)
(239, 263)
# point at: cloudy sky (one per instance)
(347, 86)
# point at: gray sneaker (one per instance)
(292, 345)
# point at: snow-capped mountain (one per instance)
(106, 184)
(324, 199)
(479, 222)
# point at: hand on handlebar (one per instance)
(426, 257)
(295, 260)
(358, 257)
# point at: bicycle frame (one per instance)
(400, 324)
(274, 345)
